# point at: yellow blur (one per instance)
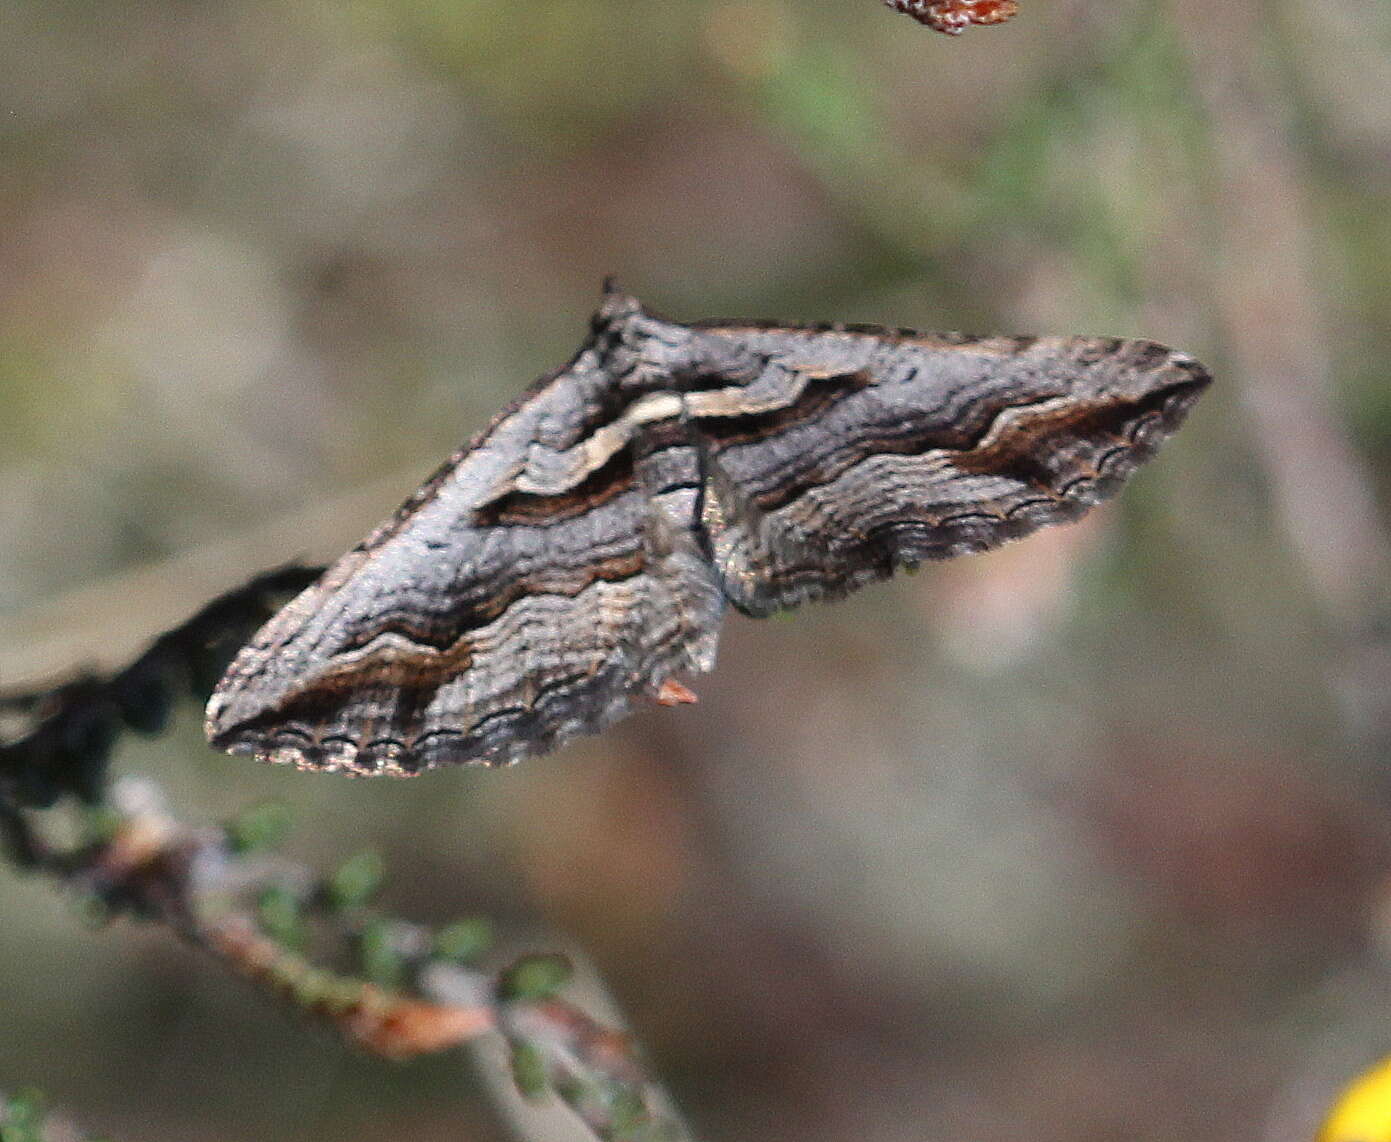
(1363, 1112)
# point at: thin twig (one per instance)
(411, 990)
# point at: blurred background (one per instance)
(1083, 840)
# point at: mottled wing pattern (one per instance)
(581, 551)
(902, 448)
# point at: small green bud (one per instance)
(529, 1071)
(261, 826)
(464, 941)
(356, 880)
(535, 977)
(22, 1117)
(381, 961)
(279, 913)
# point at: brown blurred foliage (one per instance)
(1082, 840)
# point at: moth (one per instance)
(954, 16)
(579, 553)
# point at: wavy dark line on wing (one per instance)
(458, 622)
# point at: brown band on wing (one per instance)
(458, 622)
(660, 435)
(901, 440)
(394, 741)
(1015, 453)
(527, 509)
(611, 479)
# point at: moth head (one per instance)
(640, 349)
(617, 308)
